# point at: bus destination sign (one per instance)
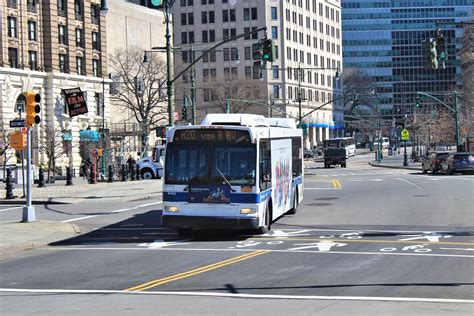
(227, 136)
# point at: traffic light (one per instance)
(161, 131)
(268, 50)
(441, 47)
(257, 51)
(184, 110)
(355, 103)
(32, 108)
(426, 46)
(139, 85)
(418, 103)
(158, 3)
(433, 55)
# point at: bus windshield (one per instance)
(200, 164)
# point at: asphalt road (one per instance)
(365, 241)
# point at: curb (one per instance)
(53, 235)
(394, 167)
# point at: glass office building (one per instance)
(384, 37)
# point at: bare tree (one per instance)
(357, 84)
(467, 69)
(4, 149)
(137, 88)
(52, 147)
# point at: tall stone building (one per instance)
(307, 36)
(47, 46)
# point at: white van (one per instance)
(385, 142)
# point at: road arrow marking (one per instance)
(321, 246)
(161, 243)
(427, 235)
(280, 233)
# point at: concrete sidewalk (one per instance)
(396, 161)
(80, 191)
(15, 237)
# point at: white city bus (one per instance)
(234, 171)
(342, 142)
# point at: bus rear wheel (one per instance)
(267, 222)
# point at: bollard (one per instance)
(68, 176)
(111, 175)
(137, 172)
(41, 178)
(92, 179)
(124, 174)
(9, 185)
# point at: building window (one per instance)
(12, 27)
(274, 13)
(12, 4)
(184, 37)
(246, 14)
(96, 67)
(62, 63)
(211, 17)
(31, 5)
(205, 38)
(32, 30)
(254, 13)
(13, 57)
(33, 60)
(274, 32)
(62, 7)
(95, 41)
(95, 14)
(248, 72)
(247, 52)
(275, 72)
(80, 65)
(62, 35)
(212, 36)
(225, 16)
(203, 18)
(191, 37)
(232, 15)
(190, 18)
(98, 104)
(276, 91)
(78, 10)
(79, 40)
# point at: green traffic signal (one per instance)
(441, 47)
(158, 3)
(418, 104)
(268, 50)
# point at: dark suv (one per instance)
(459, 162)
(433, 161)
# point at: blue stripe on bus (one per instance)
(234, 197)
(298, 180)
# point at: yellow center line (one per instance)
(367, 241)
(179, 276)
(336, 184)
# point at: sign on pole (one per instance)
(17, 123)
(75, 101)
(405, 134)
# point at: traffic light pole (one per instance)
(29, 214)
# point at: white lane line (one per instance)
(463, 249)
(243, 295)
(322, 188)
(11, 208)
(116, 211)
(410, 183)
(274, 250)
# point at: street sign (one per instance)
(17, 123)
(405, 134)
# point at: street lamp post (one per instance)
(103, 10)
(169, 65)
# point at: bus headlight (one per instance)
(248, 211)
(172, 209)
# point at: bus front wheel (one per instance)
(266, 226)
